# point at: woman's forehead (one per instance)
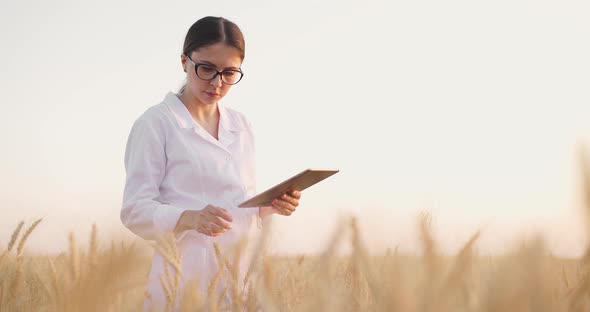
(218, 54)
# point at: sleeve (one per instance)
(145, 164)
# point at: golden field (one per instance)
(112, 277)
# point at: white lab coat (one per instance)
(173, 165)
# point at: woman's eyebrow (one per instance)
(209, 63)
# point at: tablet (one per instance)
(298, 182)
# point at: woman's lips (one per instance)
(212, 94)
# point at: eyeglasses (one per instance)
(208, 72)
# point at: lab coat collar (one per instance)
(228, 125)
(227, 121)
(185, 120)
(180, 112)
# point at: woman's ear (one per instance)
(183, 62)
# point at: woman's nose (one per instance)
(216, 81)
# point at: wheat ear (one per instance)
(26, 235)
(13, 238)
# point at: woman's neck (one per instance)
(202, 113)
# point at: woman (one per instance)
(190, 161)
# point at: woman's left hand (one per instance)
(287, 203)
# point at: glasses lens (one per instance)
(205, 72)
(231, 76)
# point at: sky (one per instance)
(473, 111)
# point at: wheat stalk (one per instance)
(167, 294)
(74, 257)
(93, 246)
(55, 283)
(17, 279)
(220, 298)
(212, 287)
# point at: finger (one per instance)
(276, 208)
(284, 205)
(219, 212)
(285, 212)
(214, 213)
(207, 217)
(216, 229)
(295, 194)
(219, 222)
(213, 230)
(222, 213)
(280, 210)
(290, 199)
(205, 230)
(283, 208)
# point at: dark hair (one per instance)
(211, 30)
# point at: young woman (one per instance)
(190, 160)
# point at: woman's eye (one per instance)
(230, 73)
(207, 69)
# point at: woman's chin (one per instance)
(209, 100)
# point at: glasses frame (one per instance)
(217, 73)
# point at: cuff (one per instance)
(166, 217)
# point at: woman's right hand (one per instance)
(211, 220)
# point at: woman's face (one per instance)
(218, 55)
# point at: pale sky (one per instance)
(472, 110)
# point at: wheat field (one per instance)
(111, 276)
